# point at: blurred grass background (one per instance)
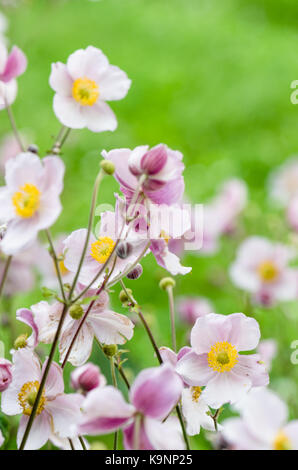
(210, 78)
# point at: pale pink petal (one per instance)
(68, 111)
(245, 332)
(66, 414)
(113, 84)
(110, 327)
(16, 65)
(209, 330)
(54, 384)
(239, 437)
(194, 369)
(225, 387)
(82, 347)
(164, 435)
(39, 434)
(291, 430)
(60, 80)
(8, 93)
(99, 117)
(251, 366)
(89, 63)
(195, 413)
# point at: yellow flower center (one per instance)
(26, 201)
(282, 442)
(85, 91)
(102, 249)
(165, 236)
(196, 393)
(28, 395)
(268, 271)
(222, 357)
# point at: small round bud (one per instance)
(136, 272)
(167, 282)
(110, 349)
(108, 167)
(87, 377)
(123, 250)
(33, 148)
(3, 229)
(21, 341)
(76, 311)
(123, 295)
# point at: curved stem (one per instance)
(71, 444)
(82, 443)
(5, 272)
(172, 317)
(14, 126)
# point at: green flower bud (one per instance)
(124, 297)
(167, 282)
(76, 311)
(108, 167)
(110, 349)
(21, 341)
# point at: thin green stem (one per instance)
(71, 444)
(5, 272)
(114, 380)
(179, 414)
(56, 263)
(44, 378)
(14, 127)
(172, 317)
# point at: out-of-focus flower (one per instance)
(194, 407)
(1, 438)
(5, 374)
(20, 277)
(30, 200)
(292, 213)
(56, 412)
(191, 308)
(82, 88)
(11, 66)
(26, 316)
(267, 350)
(9, 148)
(64, 444)
(109, 327)
(153, 395)
(87, 377)
(3, 25)
(263, 424)
(262, 268)
(112, 226)
(215, 361)
(160, 169)
(283, 182)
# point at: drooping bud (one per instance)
(5, 374)
(123, 250)
(76, 311)
(21, 341)
(123, 297)
(108, 167)
(87, 377)
(136, 272)
(110, 349)
(167, 282)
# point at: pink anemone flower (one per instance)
(82, 88)
(107, 326)
(30, 200)
(191, 308)
(263, 424)
(160, 167)
(262, 268)
(11, 66)
(153, 395)
(215, 361)
(5, 374)
(57, 412)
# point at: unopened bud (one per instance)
(167, 282)
(87, 377)
(76, 311)
(136, 272)
(21, 341)
(110, 349)
(108, 167)
(123, 295)
(33, 148)
(123, 250)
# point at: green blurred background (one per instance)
(210, 78)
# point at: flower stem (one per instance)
(44, 378)
(82, 443)
(14, 127)
(112, 365)
(55, 259)
(137, 432)
(5, 272)
(172, 316)
(60, 140)
(155, 347)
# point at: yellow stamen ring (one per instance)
(102, 249)
(222, 356)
